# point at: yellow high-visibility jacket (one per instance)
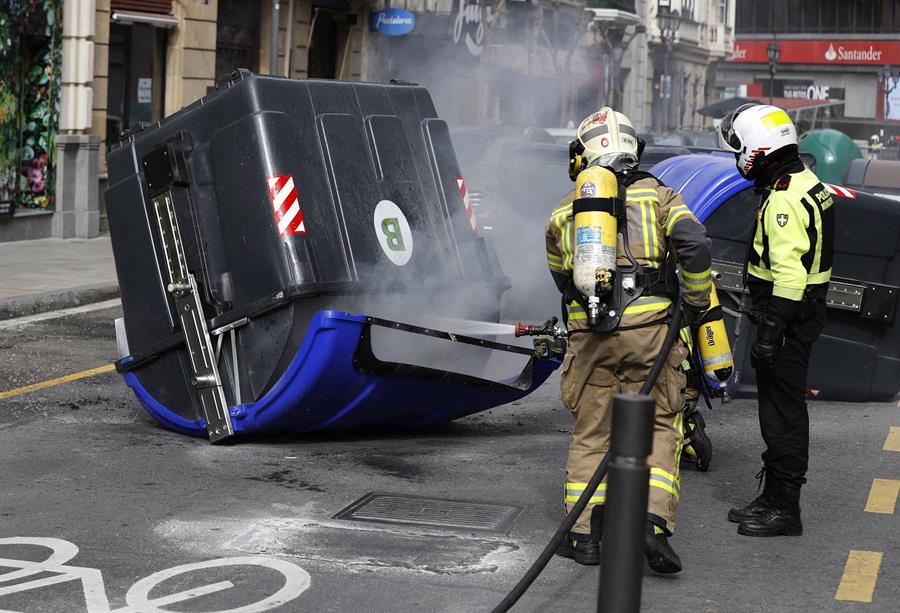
(793, 242)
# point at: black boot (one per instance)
(760, 505)
(781, 519)
(580, 547)
(660, 555)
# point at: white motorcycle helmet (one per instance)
(608, 139)
(753, 132)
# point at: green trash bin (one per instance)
(833, 151)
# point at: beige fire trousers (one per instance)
(596, 367)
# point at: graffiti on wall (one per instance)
(30, 57)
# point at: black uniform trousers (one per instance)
(783, 415)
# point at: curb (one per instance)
(55, 300)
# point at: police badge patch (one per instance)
(782, 219)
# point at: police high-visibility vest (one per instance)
(793, 243)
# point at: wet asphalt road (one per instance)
(82, 463)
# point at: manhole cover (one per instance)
(434, 512)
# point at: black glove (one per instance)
(769, 339)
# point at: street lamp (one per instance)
(669, 22)
(773, 51)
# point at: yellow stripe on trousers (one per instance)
(18, 391)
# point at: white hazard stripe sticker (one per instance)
(286, 205)
(464, 193)
(837, 190)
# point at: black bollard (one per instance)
(625, 519)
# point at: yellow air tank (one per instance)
(715, 350)
(595, 236)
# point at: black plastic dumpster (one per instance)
(858, 355)
(269, 237)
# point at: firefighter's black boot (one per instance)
(781, 519)
(760, 505)
(585, 548)
(660, 555)
(580, 547)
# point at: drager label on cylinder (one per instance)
(393, 232)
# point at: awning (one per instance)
(718, 110)
(154, 19)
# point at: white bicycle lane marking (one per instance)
(138, 600)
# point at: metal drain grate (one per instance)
(433, 512)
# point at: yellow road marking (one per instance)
(883, 496)
(860, 575)
(18, 391)
(893, 440)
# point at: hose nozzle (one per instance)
(548, 328)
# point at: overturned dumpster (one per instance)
(284, 249)
(857, 358)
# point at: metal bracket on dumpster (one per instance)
(871, 300)
(365, 361)
(183, 288)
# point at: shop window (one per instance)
(762, 14)
(323, 46)
(829, 17)
(237, 36)
(136, 85)
(743, 17)
(779, 17)
(30, 60)
(794, 15)
(846, 14)
(811, 15)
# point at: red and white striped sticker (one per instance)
(285, 205)
(470, 212)
(837, 190)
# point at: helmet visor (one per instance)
(728, 138)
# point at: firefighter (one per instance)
(655, 225)
(787, 272)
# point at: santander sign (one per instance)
(820, 51)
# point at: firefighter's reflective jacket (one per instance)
(793, 242)
(657, 218)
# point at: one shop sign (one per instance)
(469, 25)
(393, 22)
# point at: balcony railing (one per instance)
(621, 5)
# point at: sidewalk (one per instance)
(50, 274)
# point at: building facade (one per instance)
(546, 63)
(832, 53)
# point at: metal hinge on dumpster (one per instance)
(873, 301)
(165, 170)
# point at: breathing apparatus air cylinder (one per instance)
(596, 227)
(715, 350)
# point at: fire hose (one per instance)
(541, 562)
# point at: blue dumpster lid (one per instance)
(705, 181)
(325, 387)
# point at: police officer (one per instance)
(787, 272)
(598, 365)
